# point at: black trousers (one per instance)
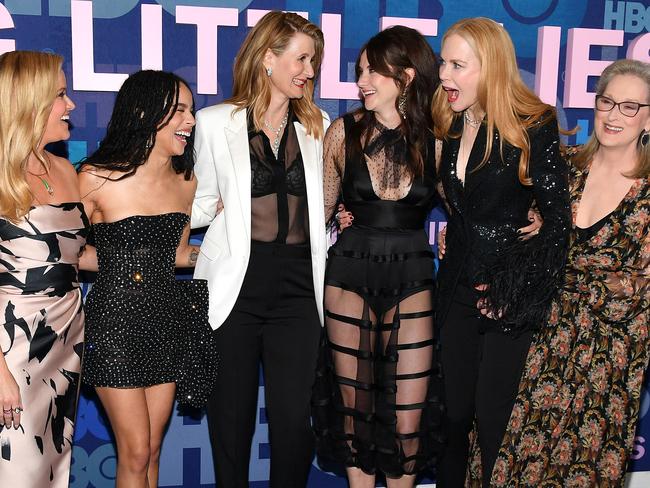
(481, 373)
(275, 322)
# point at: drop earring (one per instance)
(401, 104)
(269, 71)
(645, 137)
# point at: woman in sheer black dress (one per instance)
(378, 404)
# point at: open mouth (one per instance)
(367, 93)
(452, 94)
(182, 135)
(298, 82)
(612, 129)
(65, 118)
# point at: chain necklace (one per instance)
(473, 122)
(275, 145)
(49, 188)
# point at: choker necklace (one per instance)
(473, 122)
(275, 145)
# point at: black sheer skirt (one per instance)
(378, 395)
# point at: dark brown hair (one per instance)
(390, 53)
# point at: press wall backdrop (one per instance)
(562, 46)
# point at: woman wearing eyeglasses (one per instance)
(574, 420)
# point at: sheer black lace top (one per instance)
(278, 190)
(378, 190)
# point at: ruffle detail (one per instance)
(522, 280)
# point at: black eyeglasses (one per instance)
(629, 109)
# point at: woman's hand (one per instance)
(483, 305)
(10, 400)
(442, 235)
(343, 217)
(531, 230)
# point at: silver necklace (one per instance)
(275, 145)
(473, 122)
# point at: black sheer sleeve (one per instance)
(524, 277)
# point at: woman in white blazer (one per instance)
(260, 152)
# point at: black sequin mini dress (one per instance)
(132, 310)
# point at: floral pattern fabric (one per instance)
(575, 416)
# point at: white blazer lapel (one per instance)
(237, 137)
(313, 181)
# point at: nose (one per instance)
(443, 72)
(190, 119)
(309, 70)
(363, 79)
(69, 104)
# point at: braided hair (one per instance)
(145, 104)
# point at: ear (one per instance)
(269, 59)
(410, 74)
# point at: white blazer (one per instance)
(223, 170)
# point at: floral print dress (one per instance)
(574, 420)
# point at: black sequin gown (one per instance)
(378, 403)
(133, 310)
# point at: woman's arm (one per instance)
(333, 166)
(89, 186)
(207, 196)
(527, 275)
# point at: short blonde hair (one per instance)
(619, 68)
(251, 87)
(510, 106)
(28, 87)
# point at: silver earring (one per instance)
(269, 71)
(401, 104)
(645, 137)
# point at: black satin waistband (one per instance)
(302, 251)
(386, 214)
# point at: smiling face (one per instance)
(171, 139)
(615, 130)
(378, 92)
(292, 68)
(460, 72)
(57, 128)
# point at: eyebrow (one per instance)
(622, 101)
(182, 105)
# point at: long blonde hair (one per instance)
(251, 86)
(28, 88)
(510, 106)
(619, 68)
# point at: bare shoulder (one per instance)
(187, 186)
(92, 178)
(63, 166)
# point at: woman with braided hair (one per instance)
(137, 189)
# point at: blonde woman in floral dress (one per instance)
(574, 420)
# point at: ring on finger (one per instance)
(6, 410)
(18, 409)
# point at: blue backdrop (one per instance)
(562, 47)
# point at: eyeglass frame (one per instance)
(618, 105)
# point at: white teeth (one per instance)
(616, 129)
(183, 133)
(369, 92)
(298, 82)
(65, 117)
